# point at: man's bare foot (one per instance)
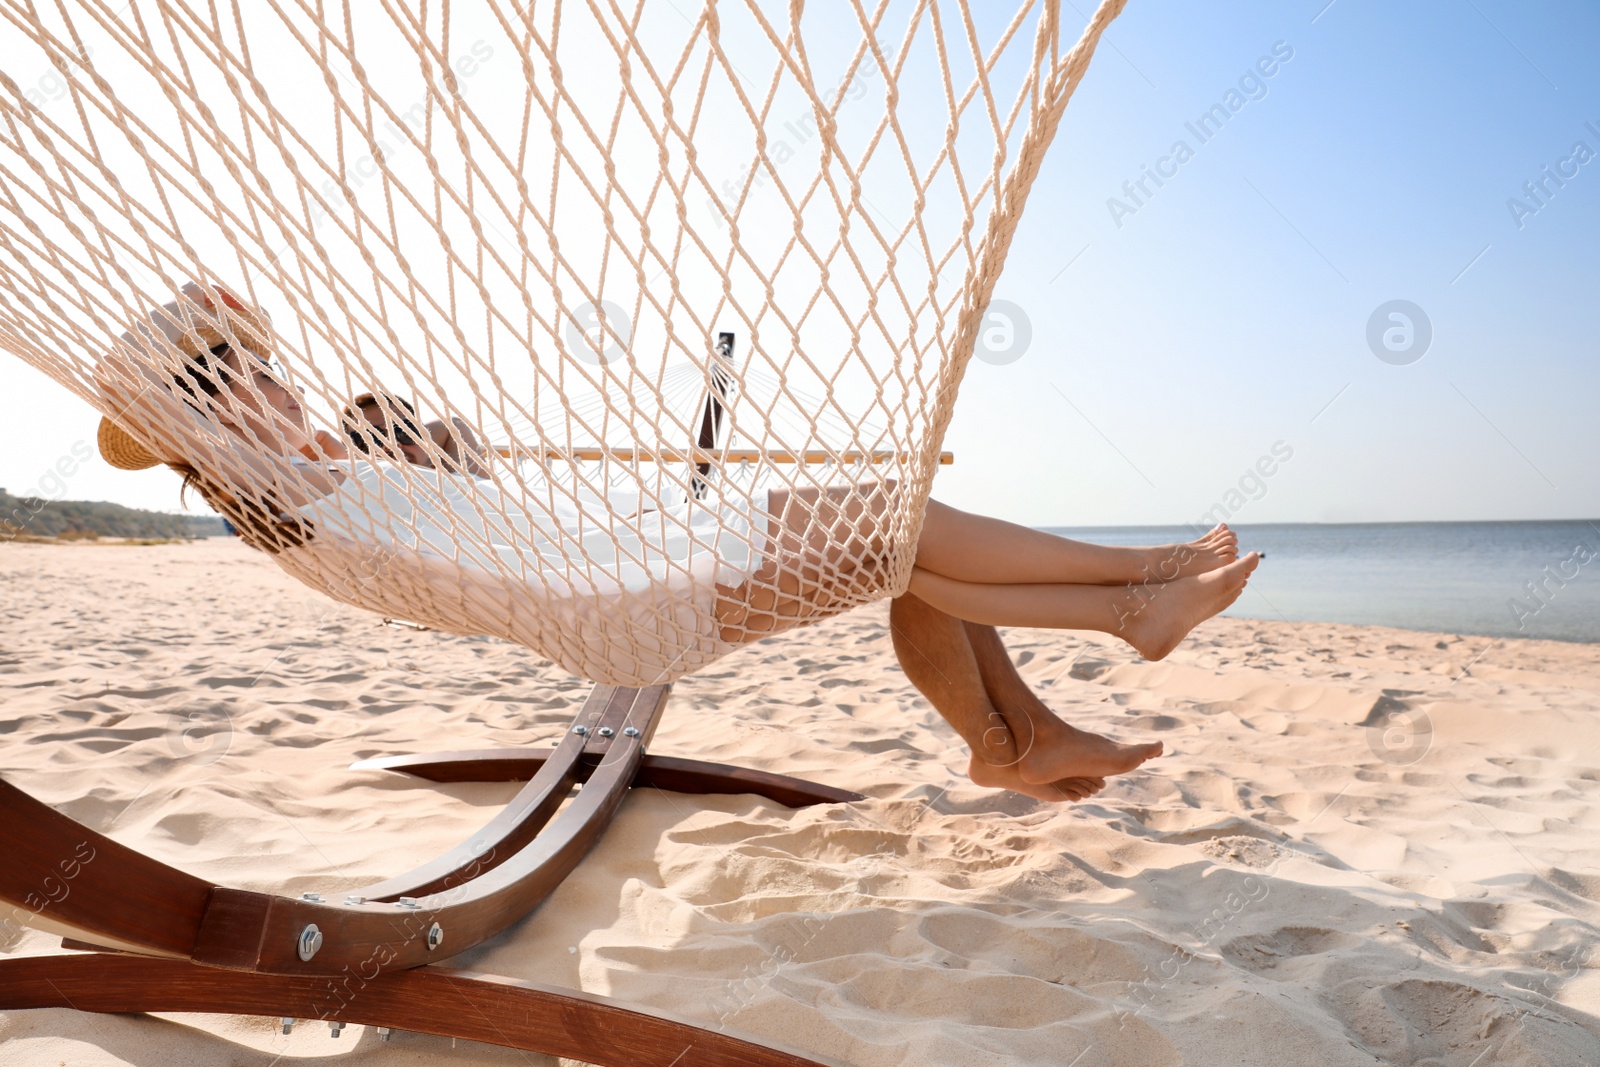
(1158, 617)
(1217, 548)
(1061, 751)
(1007, 776)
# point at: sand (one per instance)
(1365, 845)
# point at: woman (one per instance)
(799, 558)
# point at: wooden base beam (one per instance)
(661, 772)
(430, 1000)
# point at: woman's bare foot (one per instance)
(1007, 776)
(1217, 548)
(1060, 751)
(1158, 617)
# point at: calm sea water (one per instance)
(1459, 577)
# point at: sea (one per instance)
(1499, 579)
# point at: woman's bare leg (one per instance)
(938, 657)
(976, 548)
(823, 550)
(1152, 618)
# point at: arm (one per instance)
(457, 441)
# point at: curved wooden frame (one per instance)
(247, 949)
(431, 1000)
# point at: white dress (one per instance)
(609, 592)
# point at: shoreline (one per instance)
(1232, 613)
(1512, 579)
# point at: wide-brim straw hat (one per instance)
(199, 322)
(122, 450)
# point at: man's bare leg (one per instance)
(936, 654)
(1049, 748)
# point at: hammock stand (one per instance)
(155, 939)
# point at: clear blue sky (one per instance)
(1228, 311)
(1232, 306)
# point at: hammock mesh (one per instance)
(537, 221)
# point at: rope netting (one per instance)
(663, 311)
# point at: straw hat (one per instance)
(194, 325)
(119, 448)
(205, 318)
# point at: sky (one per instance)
(1230, 338)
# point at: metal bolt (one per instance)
(409, 902)
(334, 1026)
(631, 731)
(435, 936)
(288, 1023)
(310, 941)
(580, 729)
(606, 731)
(314, 898)
(385, 1033)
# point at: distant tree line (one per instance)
(24, 517)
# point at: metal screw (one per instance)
(334, 1026)
(288, 1023)
(580, 729)
(384, 1033)
(310, 941)
(435, 936)
(606, 731)
(409, 902)
(631, 731)
(315, 898)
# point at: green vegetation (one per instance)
(36, 519)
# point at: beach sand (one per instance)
(1365, 846)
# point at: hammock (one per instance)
(696, 280)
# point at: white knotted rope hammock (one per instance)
(537, 219)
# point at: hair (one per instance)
(403, 428)
(262, 523)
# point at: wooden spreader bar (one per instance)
(812, 456)
(183, 944)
